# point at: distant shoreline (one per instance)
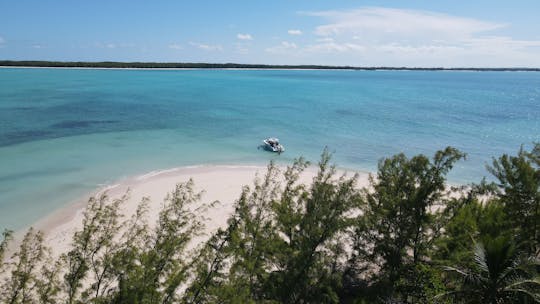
(230, 66)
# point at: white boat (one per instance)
(272, 144)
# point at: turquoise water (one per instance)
(65, 132)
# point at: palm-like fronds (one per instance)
(499, 275)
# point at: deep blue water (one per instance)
(64, 132)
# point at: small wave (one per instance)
(106, 188)
(155, 173)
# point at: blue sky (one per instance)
(361, 33)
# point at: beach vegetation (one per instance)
(498, 275)
(7, 236)
(407, 237)
(518, 186)
(400, 226)
(21, 285)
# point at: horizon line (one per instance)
(214, 65)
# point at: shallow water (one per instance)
(65, 132)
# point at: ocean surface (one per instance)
(66, 132)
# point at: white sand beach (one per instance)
(219, 183)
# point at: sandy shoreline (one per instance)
(219, 183)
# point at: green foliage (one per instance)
(140, 266)
(7, 236)
(91, 247)
(49, 283)
(21, 285)
(455, 245)
(421, 283)
(253, 237)
(312, 222)
(231, 264)
(151, 265)
(470, 222)
(398, 229)
(519, 185)
(283, 243)
(499, 275)
(288, 242)
(208, 285)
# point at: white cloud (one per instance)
(2, 40)
(417, 50)
(37, 46)
(110, 46)
(331, 46)
(502, 42)
(206, 47)
(325, 39)
(244, 37)
(386, 36)
(400, 22)
(294, 32)
(283, 47)
(288, 45)
(176, 46)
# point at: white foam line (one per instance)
(154, 173)
(107, 188)
(165, 171)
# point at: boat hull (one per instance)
(273, 148)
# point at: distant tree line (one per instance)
(195, 65)
(407, 238)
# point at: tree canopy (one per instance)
(408, 237)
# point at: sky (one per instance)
(413, 33)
